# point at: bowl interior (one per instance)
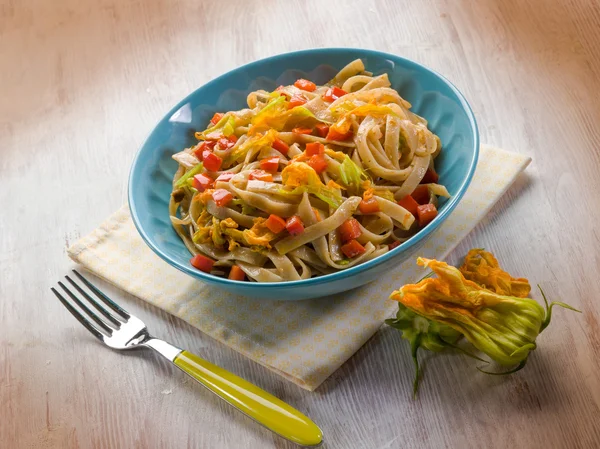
(431, 96)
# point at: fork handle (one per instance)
(259, 405)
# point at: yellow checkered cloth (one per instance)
(303, 341)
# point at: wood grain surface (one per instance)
(83, 82)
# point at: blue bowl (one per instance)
(431, 95)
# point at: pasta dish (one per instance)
(307, 180)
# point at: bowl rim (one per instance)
(339, 275)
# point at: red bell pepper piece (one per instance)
(315, 148)
(306, 85)
(333, 93)
(270, 164)
(261, 175)
(421, 194)
(237, 274)
(275, 224)
(207, 145)
(202, 263)
(212, 162)
(431, 177)
(296, 100)
(202, 182)
(222, 197)
(409, 203)
(322, 129)
(426, 213)
(281, 146)
(294, 225)
(218, 116)
(349, 230)
(225, 143)
(318, 163)
(353, 249)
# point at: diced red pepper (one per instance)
(369, 206)
(315, 148)
(336, 135)
(225, 143)
(426, 213)
(270, 164)
(296, 100)
(302, 130)
(306, 85)
(409, 203)
(294, 225)
(261, 175)
(233, 138)
(204, 146)
(202, 182)
(322, 129)
(212, 162)
(318, 163)
(275, 224)
(333, 93)
(205, 153)
(198, 152)
(202, 263)
(431, 177)
(352, 249)
(281, 146)
(226, 177)
(237, 274)
(421, 194)
(349, 230)
(222, 197)
(218, 116)
(393, 245)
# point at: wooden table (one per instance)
(83, 82)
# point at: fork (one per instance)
(120, 330)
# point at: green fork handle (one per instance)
(259, 405)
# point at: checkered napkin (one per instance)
(303, 341)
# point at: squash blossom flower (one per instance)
(503, 326)
(483, 268)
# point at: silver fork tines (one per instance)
(115, 307)
(105, 320)
(92, 301)
(75, 313)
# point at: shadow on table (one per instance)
(385, 365)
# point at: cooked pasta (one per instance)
(307, 180)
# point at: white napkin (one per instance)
(304, 341)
